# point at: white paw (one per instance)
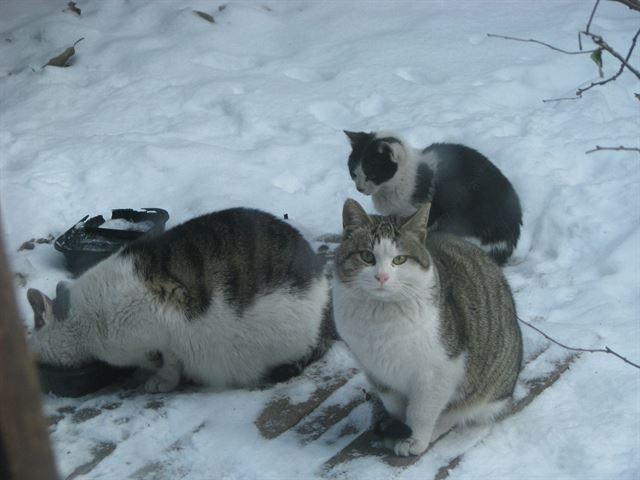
(157, 384)
(410, 446)
(389, 443)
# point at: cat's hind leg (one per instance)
(167, 376)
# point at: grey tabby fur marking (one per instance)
(436, 333)
(230, 299)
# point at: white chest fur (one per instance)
(396, 343)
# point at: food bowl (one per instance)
(79, 381)
(91, 240)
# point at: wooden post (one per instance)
(25, 452)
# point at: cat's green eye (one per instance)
(367, 257)
(399, 260)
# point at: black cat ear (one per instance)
(42, 307)
(417, 223)
(356, 137)
(61, 303)
(353, 214)
(385, 148)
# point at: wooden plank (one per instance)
(368, 445)
(312, 429)
(101, 451)
(536, 387)
(25, 452)
(160, 469)
(282, 413)
(443, 472)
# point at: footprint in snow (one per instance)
(415, 75)
(305, 75)
(331, 113)
(476, 38)
(371, 106)
(289, 183)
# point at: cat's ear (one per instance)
(42, 307)
(385, 148)
(353, 214)
(61, 303)
(417, 223)
(357, 137)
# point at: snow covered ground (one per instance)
(161, 108)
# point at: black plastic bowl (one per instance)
(79, 381)
(91, 240)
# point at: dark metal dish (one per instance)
(91, 240)
(79, 381)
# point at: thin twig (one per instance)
(598, 40)
(531, 40)
(602, 45)
(624, 64)
(593, 12)
(617, 149)
(561, 99)
(588, 350)
(612, 78)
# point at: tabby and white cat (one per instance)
(228, 299)
(431, 321)
(470, 196)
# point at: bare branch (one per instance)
(624, 63)
(593, 12)
(617, 149)
(598, 40)
(531, 40)
(602, 45)
(561, 99)
(580, 91)
(588, 350)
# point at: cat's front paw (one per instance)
(158, 384)
(410, 446)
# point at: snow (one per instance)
(121, 224)
(161, 108)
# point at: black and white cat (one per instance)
(431, 321)
(470, 197)
(228, 299)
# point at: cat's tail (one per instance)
(328, 334)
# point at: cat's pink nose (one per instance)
(382, 277)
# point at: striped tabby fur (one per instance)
(229, 299)
(431, 320)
